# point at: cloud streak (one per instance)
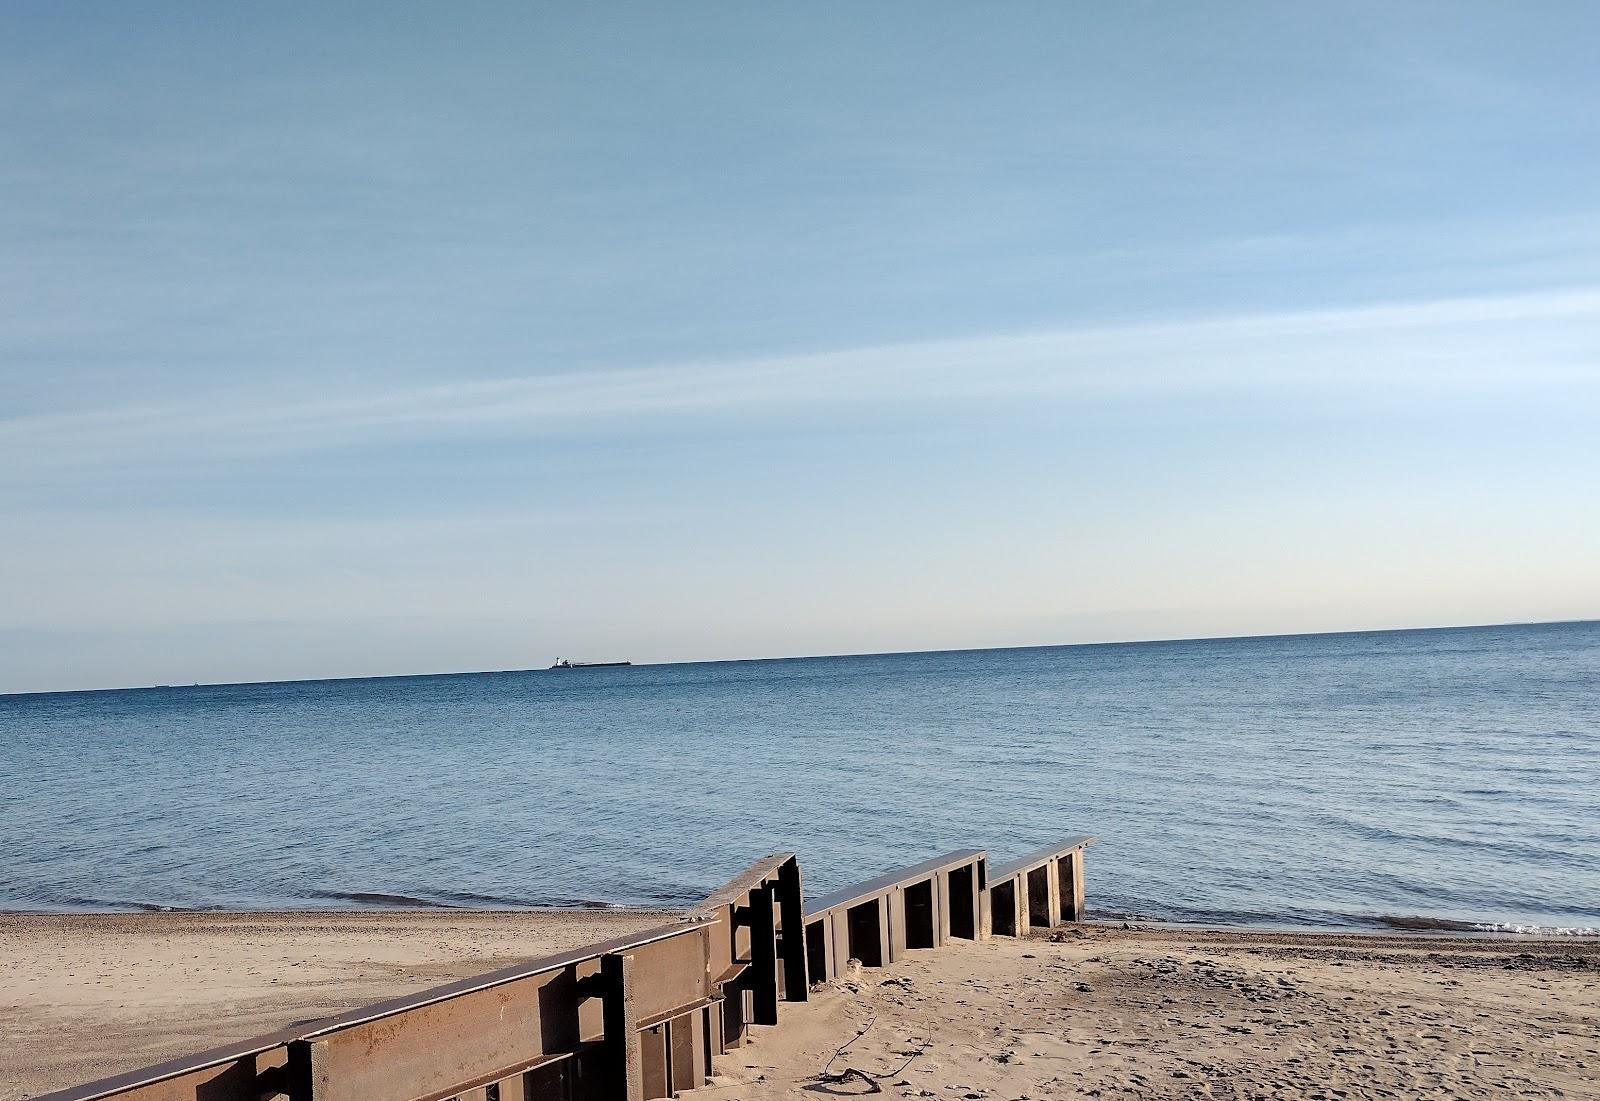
(1421, 348)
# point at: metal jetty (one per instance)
(631, 1019)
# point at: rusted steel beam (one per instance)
(515, 1088)
(792, 917)
(879, 884)
(1040, 856)
(733, 891)
(848, 913)
(685, 1052)
(232, 1072)
(893, 909)
(1046, 887)
(1072, 888)
(621, 1015)
(655, 1058)
(1006, 912)
(433, 1050)
(744, 917)
(543, 965)
(763, 957)
(966, 887)
(819, 950)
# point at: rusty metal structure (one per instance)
(631, 1019)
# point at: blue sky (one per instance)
(428, 337)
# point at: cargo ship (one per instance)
(563, 663)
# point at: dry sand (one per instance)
(1112, 1013)
(1103, 1012)
(87, 996)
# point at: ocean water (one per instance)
(1329, 780)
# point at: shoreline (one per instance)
(1394, 927)
(91, 995)
(1389, 925)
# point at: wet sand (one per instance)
(1103, 1012)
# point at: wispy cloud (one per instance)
(1452, 344)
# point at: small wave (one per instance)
(472, 898)
(52, 902)
(1170, 913)
(1538, 930)
(1418, 923)
(1332, 921)
(381, 898)
(455, 900)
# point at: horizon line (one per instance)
(826, 657)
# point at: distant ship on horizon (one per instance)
(563, 663)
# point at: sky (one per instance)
(345, 340)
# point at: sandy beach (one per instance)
(86, 996)
(1101, 1011)
(1122, 1014)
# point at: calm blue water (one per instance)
(1324, 780)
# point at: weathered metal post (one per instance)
(978, 900)
(763, 958)
(1072, 898)
(893, 907)
(792, 911)
(968, 885)
(621, 1021)
(298, 1072)
(844, 947)
(698, 1053)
